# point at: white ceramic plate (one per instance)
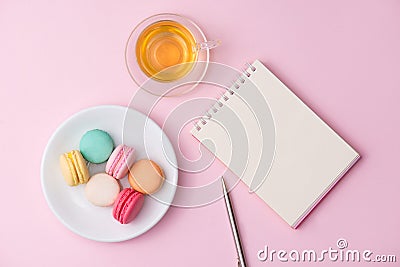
(69, 203)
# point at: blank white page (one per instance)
(307, 157)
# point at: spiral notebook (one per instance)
(275, 144)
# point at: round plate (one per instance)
(69, 204)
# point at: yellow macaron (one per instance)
(73, 167)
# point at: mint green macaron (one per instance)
(96, 146)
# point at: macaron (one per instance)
(127, 205)
(121, 159)
(96, 146)
(73, 168)
(146, 176)
(102, 190)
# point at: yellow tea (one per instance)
(161, 46)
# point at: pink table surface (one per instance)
(341, 57)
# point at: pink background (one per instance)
(341, 57)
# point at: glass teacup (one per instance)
(167, 54)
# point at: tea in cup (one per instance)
(166, 48)
(164, 44)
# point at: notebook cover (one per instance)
(303, 157)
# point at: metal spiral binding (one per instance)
(250, 69)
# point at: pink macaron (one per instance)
(127, 205)
(121, 159)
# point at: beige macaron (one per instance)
(102, 190)
(146, 176)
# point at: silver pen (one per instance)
(235, 232)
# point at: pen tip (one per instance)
(223, 183)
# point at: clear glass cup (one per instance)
(188, 74)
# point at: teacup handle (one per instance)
(207, 45)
